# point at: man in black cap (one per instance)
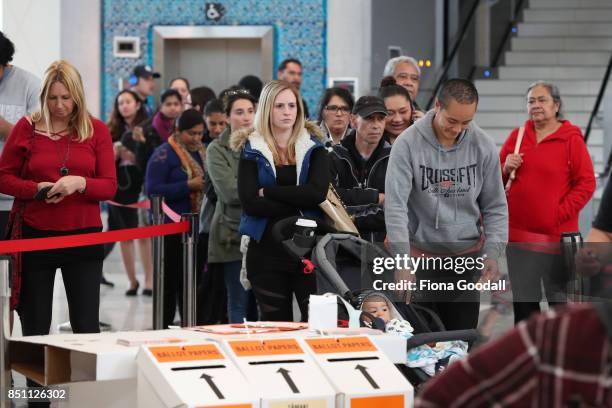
(142, 81)
(359, 166)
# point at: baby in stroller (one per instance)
(427, 357)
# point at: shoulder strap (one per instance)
(519, 140)
(517, 148)
(28, 153)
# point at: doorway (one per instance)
(216, 57)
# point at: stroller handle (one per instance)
(283, 229)
(434, 337)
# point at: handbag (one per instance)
(335, 213)
(13, 229)
(517, 148)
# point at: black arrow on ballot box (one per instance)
(285, 373)
(367, 376)
(212, 385)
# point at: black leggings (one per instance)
(173, 274)
(81, 270)
(82, 283)
(457, 309)
(275, 277)
(456, 316)
(528, 270)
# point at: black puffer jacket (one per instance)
(359, 182)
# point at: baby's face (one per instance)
(378, 309)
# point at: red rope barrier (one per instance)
(69, 241)
(146, 204)
(95, 238)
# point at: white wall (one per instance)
(81, 44)
(349, 40)
(47, 30)
(34, 27)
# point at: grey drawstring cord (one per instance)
(438, 195)
(455, 184)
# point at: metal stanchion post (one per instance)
(158, 265)
(5, 329)
(190, 239)
(571, 242)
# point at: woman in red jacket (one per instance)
(553, 180)
(64, 148)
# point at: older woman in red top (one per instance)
(553, 181)
(62, 148)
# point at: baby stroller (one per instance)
(344, 264)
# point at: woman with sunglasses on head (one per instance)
(176, 172)
(283, 172)
(335, 114)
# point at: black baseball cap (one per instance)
(145, 71)
(368, 105)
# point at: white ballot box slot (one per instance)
(190, 375)
(361, 374)
(281, 373)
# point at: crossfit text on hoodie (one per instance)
(445, 200)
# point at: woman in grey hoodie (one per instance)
(444, 195)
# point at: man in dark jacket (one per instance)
(290, 70)
(359, 166)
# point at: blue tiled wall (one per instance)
(299, 31)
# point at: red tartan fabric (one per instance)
(561, 358)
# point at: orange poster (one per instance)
(389, 401)
(248, 348)
(167, 354)
(341, 345)
(227, 406)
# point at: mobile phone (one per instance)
(42, 194)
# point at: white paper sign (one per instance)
(322, 312)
